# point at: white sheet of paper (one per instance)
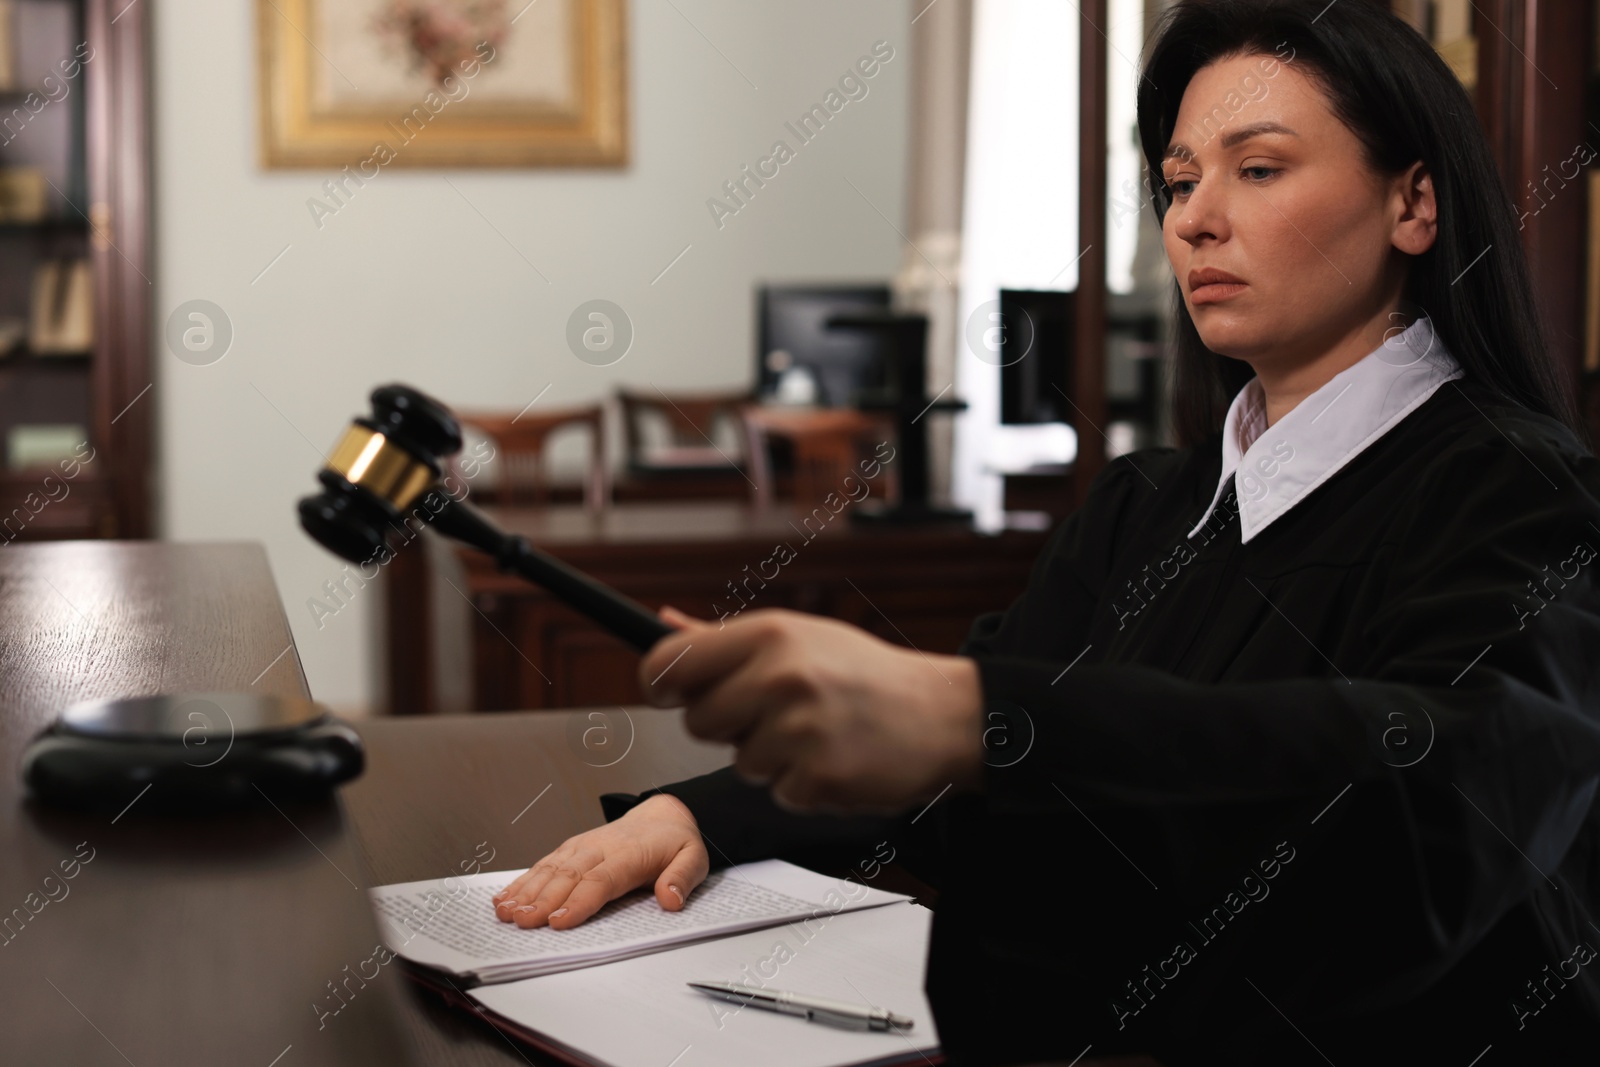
(639, 1013)
(450, 923)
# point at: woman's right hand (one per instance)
(657, 841)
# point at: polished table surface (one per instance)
(193, 937)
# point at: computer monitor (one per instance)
(793, 333)
(1037, 330)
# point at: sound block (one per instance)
(195, 751)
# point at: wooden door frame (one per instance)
(117, 140)
(1531, 97)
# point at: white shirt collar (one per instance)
(1274, 468)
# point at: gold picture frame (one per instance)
(426, 112)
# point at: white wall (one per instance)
(409, 283)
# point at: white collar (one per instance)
(1273, 469)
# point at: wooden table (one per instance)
(461, 636)
(188, 938)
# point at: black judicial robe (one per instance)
(1326, 796)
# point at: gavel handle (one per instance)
(623, 616)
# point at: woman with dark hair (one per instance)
(1289, 752)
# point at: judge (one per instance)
(1289, 751)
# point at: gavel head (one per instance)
(381, 466)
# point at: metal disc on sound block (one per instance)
(190, 718)
(194, 752)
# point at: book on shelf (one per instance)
(62, 318)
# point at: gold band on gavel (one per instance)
(378, 465)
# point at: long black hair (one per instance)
(1394, 92)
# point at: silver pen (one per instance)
(814, 1009)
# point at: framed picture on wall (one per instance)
(442, 83)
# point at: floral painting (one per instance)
(438, 36)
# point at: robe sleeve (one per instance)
(1451, 755)
(740, 823)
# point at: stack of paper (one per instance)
(614, 991)
(450, 925)
(639, 1012)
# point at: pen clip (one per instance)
(878, 1019)
(841, 1020)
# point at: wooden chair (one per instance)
(690, 421)
(827, 445)
(520, 443)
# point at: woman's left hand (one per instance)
(833, 718)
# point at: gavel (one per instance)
(386, 470)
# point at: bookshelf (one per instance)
(76, 414)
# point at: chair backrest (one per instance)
(826, 445)
(520, 442)
(690, 420)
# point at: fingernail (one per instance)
(675, 891)
(524, 907)
(558, 913)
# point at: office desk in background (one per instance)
(461, 636)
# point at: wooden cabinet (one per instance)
(462, 636)
(74, 189)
